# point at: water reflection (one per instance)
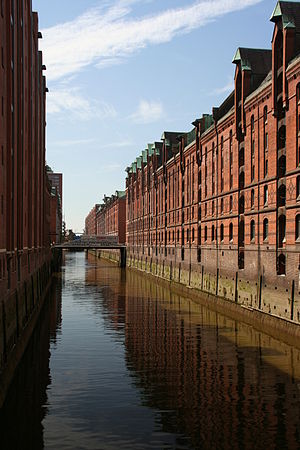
(27, 404)
(135, 366)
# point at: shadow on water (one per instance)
(26, 405)
(135, 366)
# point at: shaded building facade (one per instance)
(25, 255)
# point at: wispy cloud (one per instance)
(228, 87)
(72, 142)
(147, 112)
(62, 99)
(108, 34)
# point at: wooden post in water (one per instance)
(236, 288)
(292, 300)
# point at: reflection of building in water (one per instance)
(26, 403)
(212, 379)
(113, 289)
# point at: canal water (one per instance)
(120, 362)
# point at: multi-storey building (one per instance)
(111, 216)
(219, 208)
(24, 196)
(55, 180)
(90, 221)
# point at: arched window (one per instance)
(265, 229)
(281, 166)
(242, 180)
(222, 232)
(281, 230)
(230, 231)
(213, 233)
(241, 204)
(252, 198)
(281, 264)
(266, 196)
(281, 195)
(281, 137)
(205, 233)
(297, 227)
(252, 230)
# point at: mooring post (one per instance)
(236, 287)
(292, 300)
(260, 292)
(123, 257)
(217, 282)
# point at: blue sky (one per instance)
(120, 72)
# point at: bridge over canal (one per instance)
(95, 243)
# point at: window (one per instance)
(252, 198)
(222, 232)
(230, 231)
(230, 203)
(265, 229)
(281, 231)
(266, 143)
(252, 149)
(298, 187)
(297, 228)
(213, 233)
(281, 264)
(193, 234)
(212, 208)
(281, 195)
(222, 205)
(252, 230)
(205, 233)
(266, 195)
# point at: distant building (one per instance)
(90, 221)
(111, 216)
(56, 222)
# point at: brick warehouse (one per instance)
(218, 208)
(25, 254)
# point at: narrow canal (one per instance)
(119, 362)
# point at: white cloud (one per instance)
(147, 112)
(72, 142)
(107, 34)
(64, 100)
(228, 87)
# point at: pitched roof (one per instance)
(289, 12)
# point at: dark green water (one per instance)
(119, 362)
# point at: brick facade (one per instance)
(111, 216)
(224, 199)
(25, 255)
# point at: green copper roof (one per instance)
(144, 156)
(139, 162)
(133, 165)
(238, 58)
(287, 22)
(150, 149)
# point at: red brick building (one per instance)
(111, 216)
(219, 207)
(55, 180)
(24, 196)
(90, 221)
